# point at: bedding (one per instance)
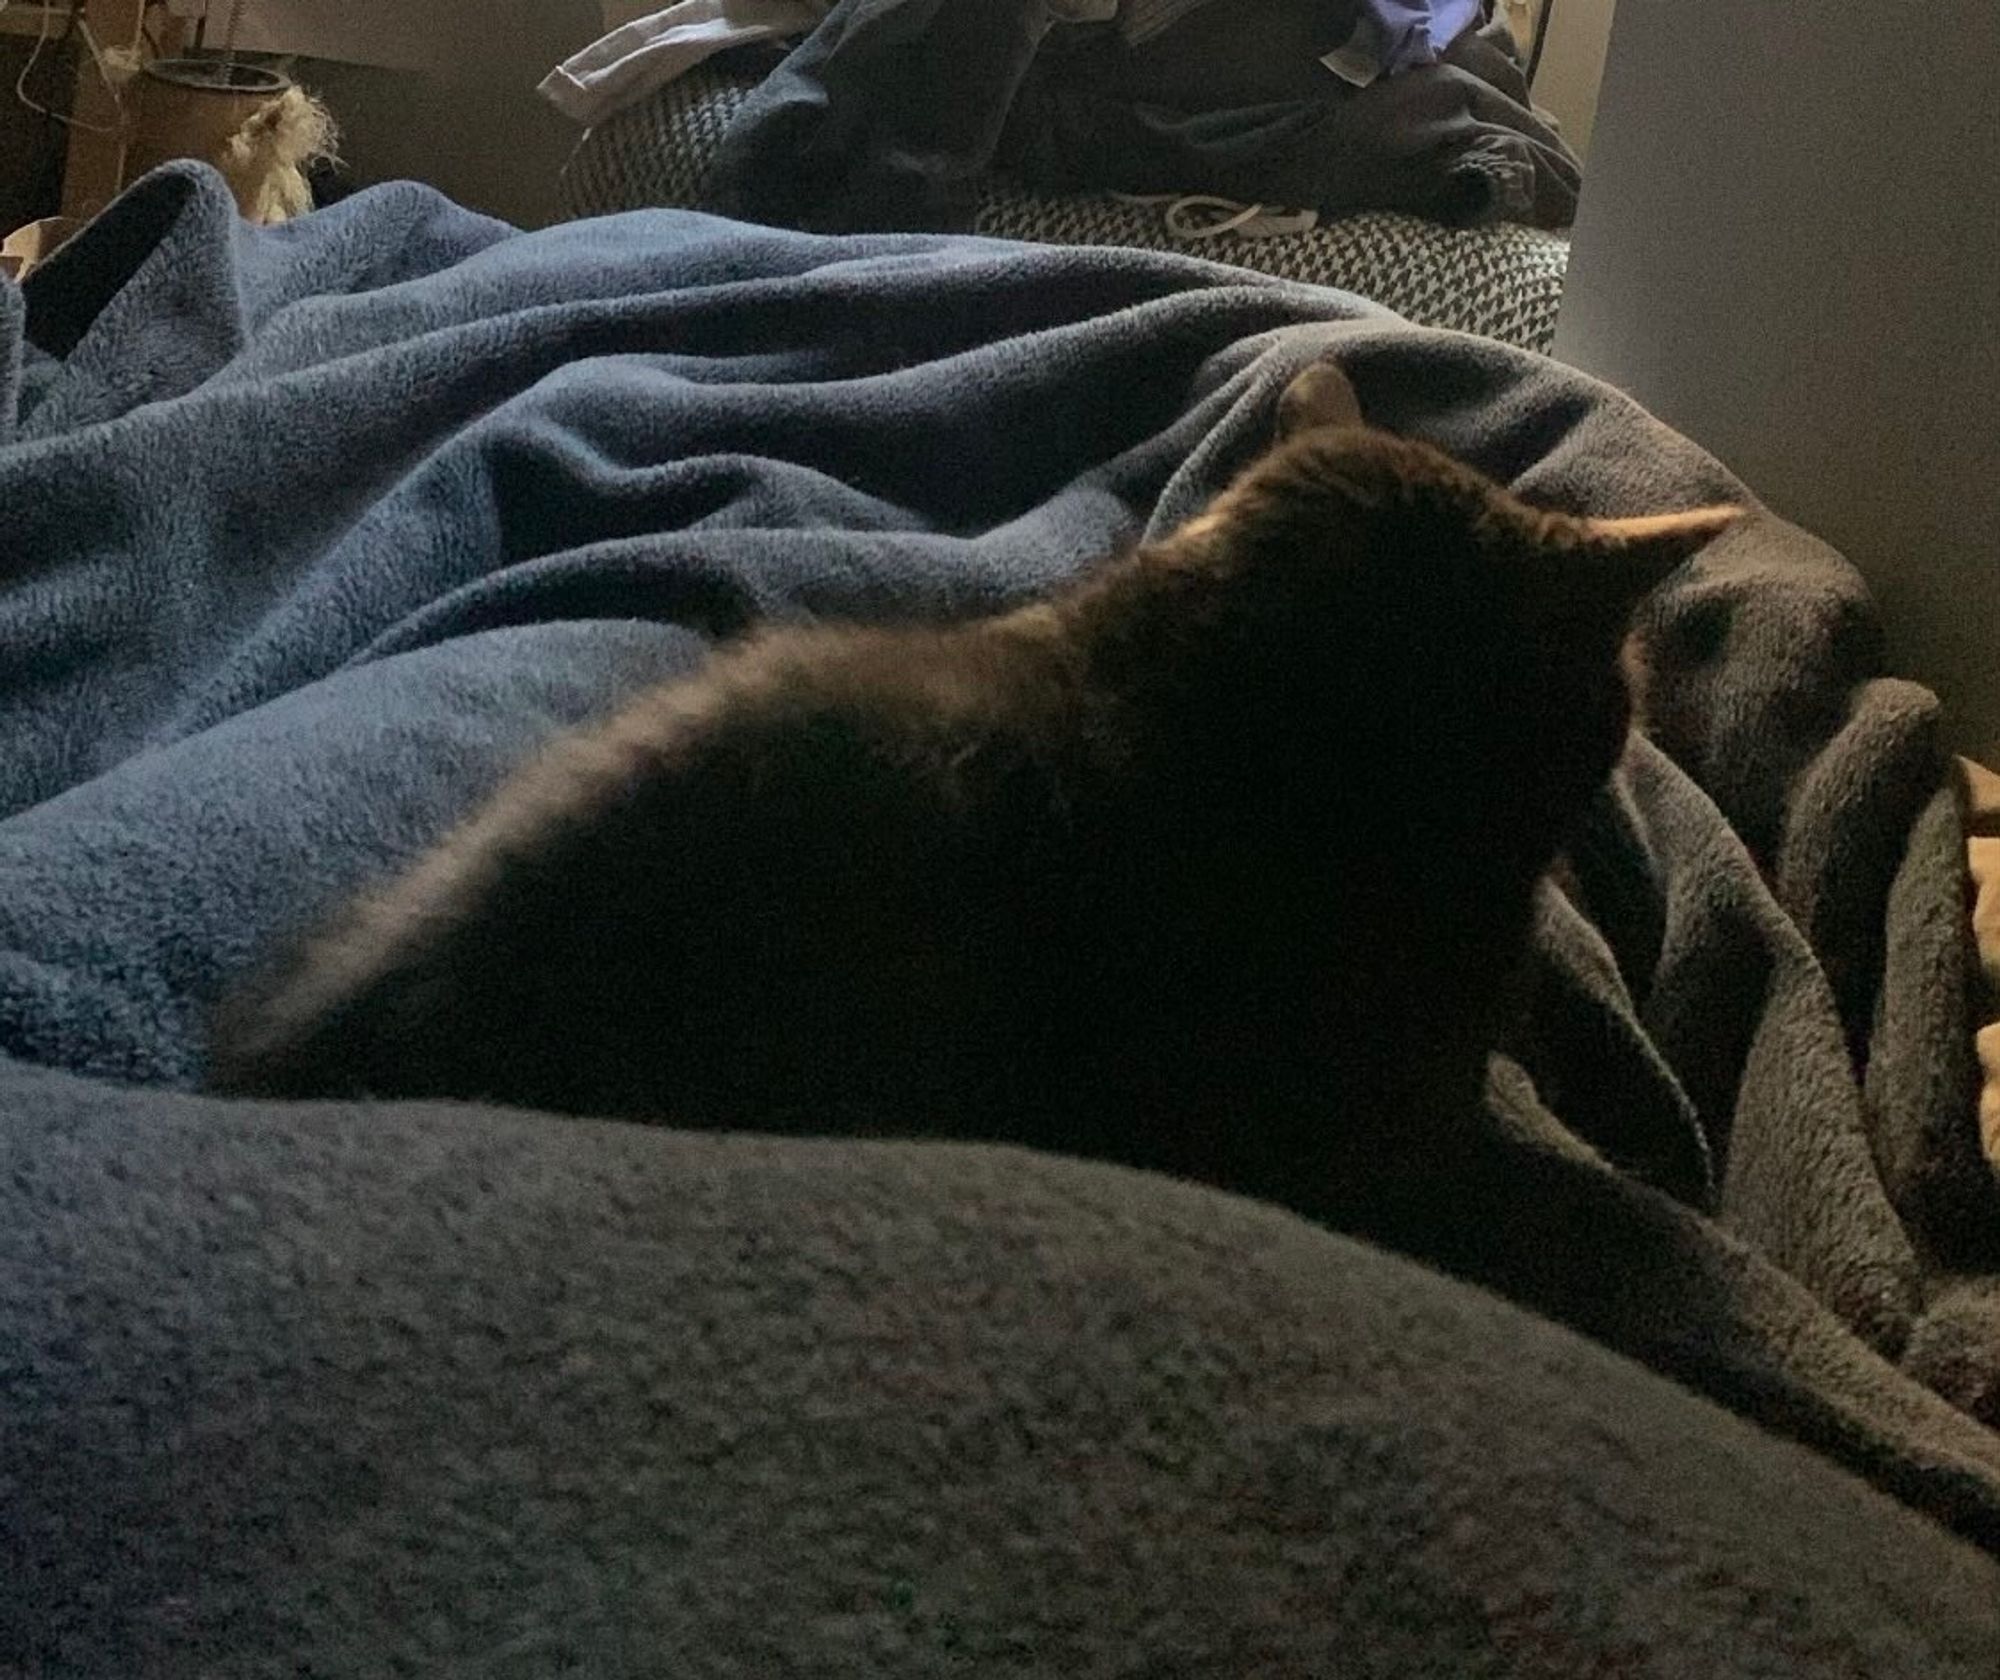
(349, 1393)
(1502, 281)
(312, 532)
(890, 113)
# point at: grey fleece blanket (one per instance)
(444, 1392)
(311, 533)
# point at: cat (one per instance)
(1227, 847)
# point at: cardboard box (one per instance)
(27, 246)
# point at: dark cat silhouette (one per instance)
(1228, 843)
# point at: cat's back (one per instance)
(831, 847)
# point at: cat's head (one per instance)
(1449, 634)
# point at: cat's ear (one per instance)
(1644, 552)
(1575, 589)
(1587, 575)
(1658, 542)
(1321, 396)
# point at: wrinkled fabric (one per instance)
(1397, 33)
(1456, 141)
(1391, 36)
(641, 57)
(892, 111)
(355, 1392)
(314, 532)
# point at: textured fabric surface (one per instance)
(313, 532)
(1503, 281)
(450, 1392)
(890, 113)
(638, 58)
(1238, 100)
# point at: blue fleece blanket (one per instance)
(307, 535)
(310, 533)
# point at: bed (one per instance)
(1503, 280)
(312, 532)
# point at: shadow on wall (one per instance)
(468, 121)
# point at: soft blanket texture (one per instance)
(312, 532)
(319, 1391)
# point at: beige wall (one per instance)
(464, 37)
(494, 146)
(469, 120)
(1572, 64)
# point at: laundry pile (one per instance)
(889, 114)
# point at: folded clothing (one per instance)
(638, 57)
(1394, 35)
(645, 53)
(1457, 140)
(893, 112)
